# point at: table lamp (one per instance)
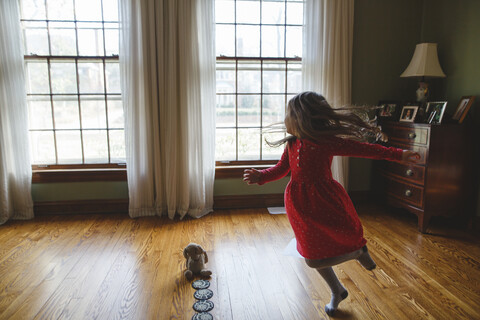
(424, 64)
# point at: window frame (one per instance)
(222, 167)
(42, 172)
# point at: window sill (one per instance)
(78, 175)
(41, 175)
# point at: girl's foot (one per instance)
(333, 305)
(365, 260)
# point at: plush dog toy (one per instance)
(196, 259)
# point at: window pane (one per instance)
(225, 74)
(274, 78)
(42, 147)
(249, 77)
(117, 146)
(225, 110)
(248, 41)
(273, 12)
(91, 77)
(294, 42)
(37, 77)
(63, 42)
(39, 112)
(248, 11)
(111, 41)
(88, 10)
(224, 11)
(248, 144)
(225, 144)
(115, 112)
(295, 13)
(90, 42)
(271, 153)
(294, 77)
(249, 110)
(95, 146)
(273, 41)
(65, 111)
(69, 147)
(273, 109)
(93, 112)
(33, 9)
(225, 40)
(110, 10)
(112, 73)
(36, 40)
(60, 9)
(64, 78)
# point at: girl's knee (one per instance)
(315, 263)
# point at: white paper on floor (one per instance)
(277, 210)
(291, 249)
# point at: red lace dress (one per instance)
(319, 209)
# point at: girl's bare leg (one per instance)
(339, 293)
(361, 255)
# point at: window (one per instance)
(258, 49)
(73, 81)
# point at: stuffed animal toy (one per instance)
(196, 259)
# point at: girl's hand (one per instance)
(410, 156)
(251, 176)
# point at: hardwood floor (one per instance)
(114, 267)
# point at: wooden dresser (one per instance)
(441, 182)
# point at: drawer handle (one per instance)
(408, 193)
(412, 135)
(409, 172)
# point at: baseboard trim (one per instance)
(248, 201)
(81, 206)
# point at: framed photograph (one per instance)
(387, 110)
(463, 107)
(435, 111)
(408, 113)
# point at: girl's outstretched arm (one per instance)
(276, 172)
(351, 148)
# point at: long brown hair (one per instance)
(309, 116)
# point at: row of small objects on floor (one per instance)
(203, 305)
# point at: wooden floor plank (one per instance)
(111, 266)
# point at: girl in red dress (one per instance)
(326, 226)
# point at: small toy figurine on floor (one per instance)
(196, 259)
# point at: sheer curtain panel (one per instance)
(327, 58)
(167, 63)
(15, 169)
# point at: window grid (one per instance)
(262, 60)
(101, 94)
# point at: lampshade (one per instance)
(424, 62)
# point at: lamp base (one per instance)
(422, 92)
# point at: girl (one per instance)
(326, 225)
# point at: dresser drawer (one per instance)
(404, 191)
(409, 135)
(412, 173)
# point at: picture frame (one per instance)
(435, 111)
(462, 108)
(408, 113)
(388, 110)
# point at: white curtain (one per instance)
(15, 170)
(167, 62)
(327, 58)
